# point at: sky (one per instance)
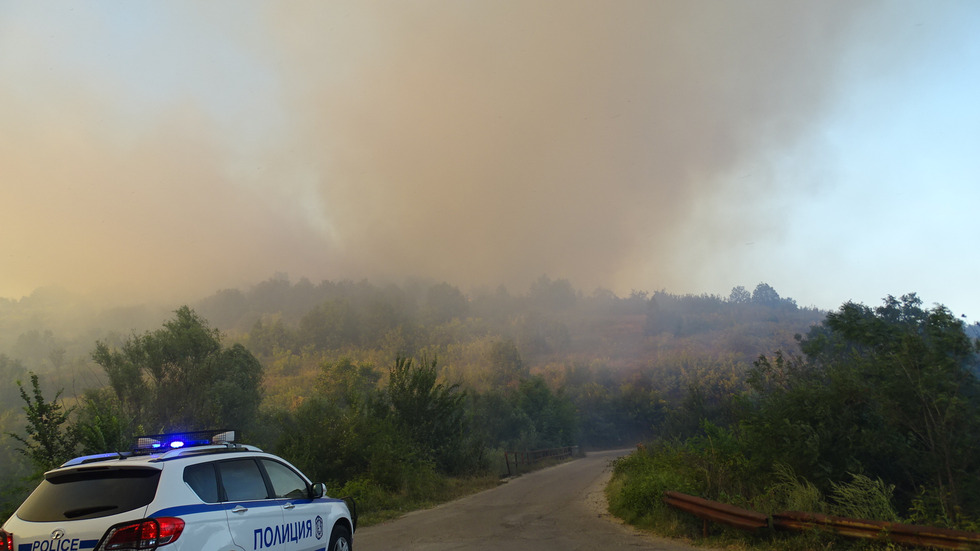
(167, 150)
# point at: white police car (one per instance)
(192, 491)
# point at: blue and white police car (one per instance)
(179, 492)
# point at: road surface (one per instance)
(561, 507)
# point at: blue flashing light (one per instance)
(160, 442)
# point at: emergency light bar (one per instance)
(176, 440)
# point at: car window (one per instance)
(202, 480)
(242, 480)
(90, 493)
(285, 481)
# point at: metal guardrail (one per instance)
(907, 534)
(714, 511)
(530, 457)
(744, 519)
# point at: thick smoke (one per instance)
(493, 142)
(479, 143)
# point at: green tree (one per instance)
(392, 436)
(50, 439)
(433, 413)
(268, 335)
(886, 392)
(10, 370)
(181, 377)
(330, 325)
(507, 368)
(101, 425)
(552, 415)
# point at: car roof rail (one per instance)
(228, 447)
(95, 458)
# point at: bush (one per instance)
(638, 484)
(864, 498)
(789, 492)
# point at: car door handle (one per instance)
(288, 506)
(239, 509)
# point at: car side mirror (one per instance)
(319, 490)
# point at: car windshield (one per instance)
(90, 493)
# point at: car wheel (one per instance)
(340, 539)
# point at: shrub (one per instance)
(638, 484)
(789, 492)
(863, 498)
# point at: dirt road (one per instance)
(562, 507)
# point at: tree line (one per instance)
(388, 388)
(874, 416)
(359, 430)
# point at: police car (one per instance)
(178, 492)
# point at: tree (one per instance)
(101, 426)
(661, 319)
(269, 335)
(10, 370)
(739, 295)
(443, 303)
(887, 392)
(551, 415)
(552, 295)
(50, 440)
(330, 325)
(432, 413)
(343, 432)
(507, 368)
(181, 377)
(765, 295)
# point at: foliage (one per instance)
(864, 498)
(506, 366)
(532, 416)
(16, 468)
(444, 303)
(50, 439)
(875, 418)
(610, 416)
(544, 368)
(390, 436)
(788, 492)
(331, 324)
(431, 413)
(739, 295)
(101, 424)
(10, 370)
(557, 294)
(638, 483)
(181, 377)
(551, 416)
(885, 392)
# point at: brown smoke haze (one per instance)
(479, 143)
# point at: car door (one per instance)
(207, 525)
(302, 515)
(254, 517)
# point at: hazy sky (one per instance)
(170, 149)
